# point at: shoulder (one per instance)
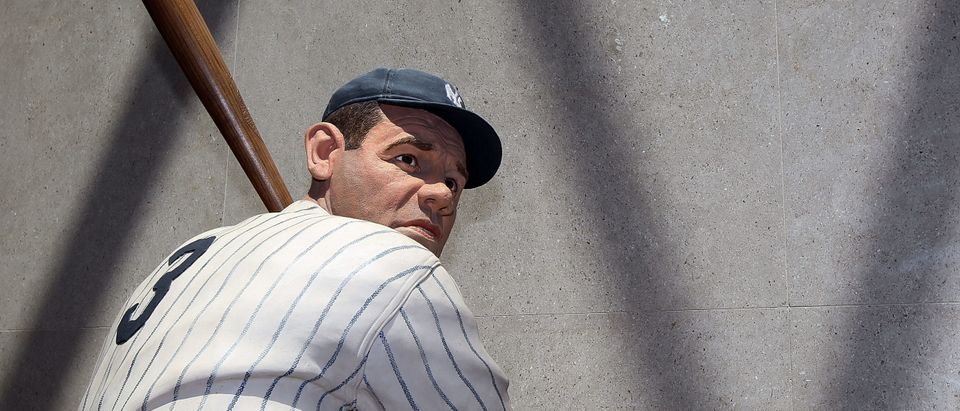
(306, 234)
(360, 237)
(304, 222)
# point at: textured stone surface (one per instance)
(872, 164)
(726, 359)
(712, 359)
(662, 150)
(55, 381)
(724, 205)
(886, 357)
(553, 361)
(108, 164)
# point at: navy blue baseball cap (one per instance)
(415, 88)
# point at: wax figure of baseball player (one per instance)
(340, 300)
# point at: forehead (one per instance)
(401, 122)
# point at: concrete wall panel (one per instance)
(109, 162)
(702, 205)
(871, 126)
(875, 357)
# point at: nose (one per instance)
(438, 198)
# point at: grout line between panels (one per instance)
(929, 303)
(572, 314)
(783, 199)
(20, 330)
(788, 307)
(235, 70)
(783, 190)
(236, 39)
(721, 309)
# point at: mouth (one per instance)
(423, 228)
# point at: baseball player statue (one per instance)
(338, 302)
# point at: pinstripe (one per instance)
(130, 348)
(423, 357)
(372, 392)
(356, 315)
(256, 311)
(146, 289)
(176, 388)
(132, 341)
(286, 317)
(263, 274)
(436, 321)
(192, 300)
(342, 383)
(323, 315)
(110, 349)
(463, 329)
(396, 371)
(137, 336)
(196, 318)
(171, 307)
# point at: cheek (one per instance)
(385, 189)
(400, 191)
(448, 222)
(378, 190)
(354, 193)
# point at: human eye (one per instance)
(453, 185)
(407, 159)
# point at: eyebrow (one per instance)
(413, 141)
(425, 146)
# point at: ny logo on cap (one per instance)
(454, 95)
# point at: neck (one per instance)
(317, 194)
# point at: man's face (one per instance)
(407, 174)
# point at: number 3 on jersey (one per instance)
(128, 327)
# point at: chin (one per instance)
(429, 245)
(428, 242)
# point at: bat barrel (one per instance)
(190, 41)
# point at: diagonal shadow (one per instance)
(137, 152)
(912, 248)
(634, 246)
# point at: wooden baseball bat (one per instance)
(188, 37)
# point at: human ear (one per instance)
(322, 142)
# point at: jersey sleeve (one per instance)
(429, 356)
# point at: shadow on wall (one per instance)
(137, 152)
(620, 202)
(911, 244)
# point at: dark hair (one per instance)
(355, 121)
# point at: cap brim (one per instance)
(480, 140)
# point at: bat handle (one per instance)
(190, 41)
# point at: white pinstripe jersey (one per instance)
(297, 310)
